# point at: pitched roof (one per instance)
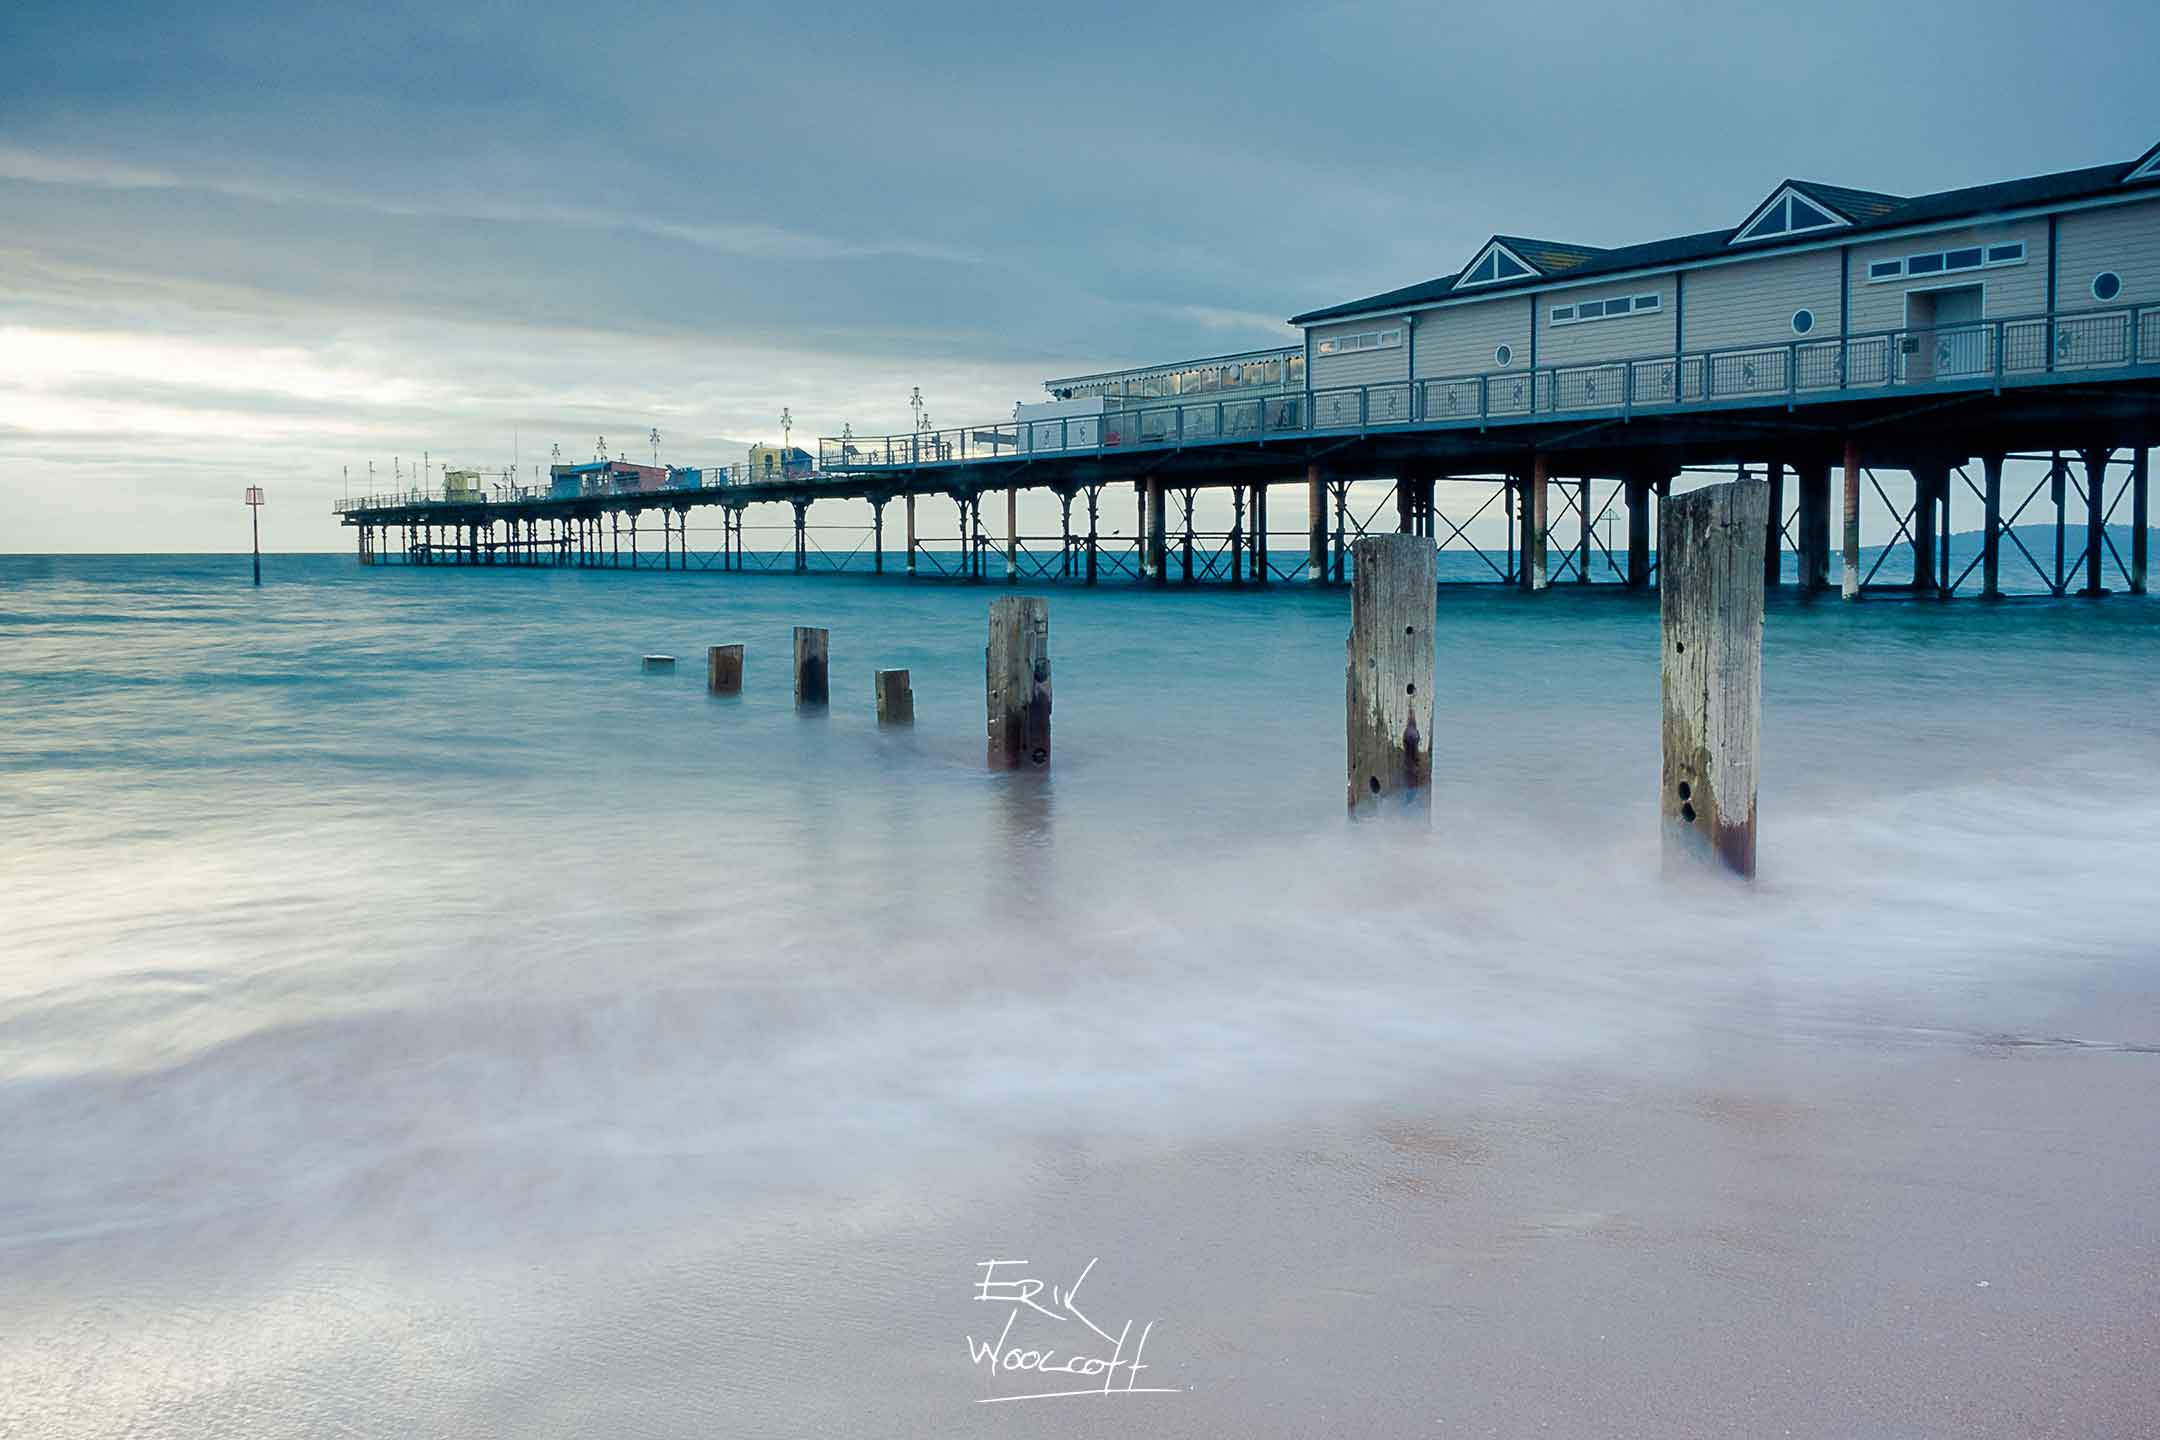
(1855, 205)
(1867, 209)
(1549, 256)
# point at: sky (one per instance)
(273, 243)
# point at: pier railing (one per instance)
(717, 477)
(1973, 355)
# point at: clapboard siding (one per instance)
(2008, 290)
(1461, 339)
(1752, 302)
(1624, 337)
(1360, 367)
(2121, 238)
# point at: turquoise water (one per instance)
(403, 993)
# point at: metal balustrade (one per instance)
(1970, 355)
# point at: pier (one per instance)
(1555, 453)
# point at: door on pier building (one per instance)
(1944, 338)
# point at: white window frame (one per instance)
(1530, 272)
(2093, 289)
(1812, 320)
(1777, 205)
(1356, 341)
(1987, 262)
(1650, 304)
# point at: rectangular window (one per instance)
(1604, 309)
(1369, 340)
(1969, 257)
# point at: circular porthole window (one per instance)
(2106, 285)
(1504, 356)
(1803, 321)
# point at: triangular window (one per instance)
(1498, 263)
(1788, 213)
(2148, 168)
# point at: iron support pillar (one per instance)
(1813, 478)
(2057, 483)
(1153, 567)
(1012, 533)
(1849, 585)
(1773, 558)
(1929, 481)
(802, 551)
(2096, 468)
(1535, 516)
(877, 537)
(1315, 524)
(1094, 497)
(1991, 527)
(1638, 532)
(1582, 544)
(910, 537)
(1065, 500)
(2140, 518)
(1185, 499)
(1259, 533)
(1237, 535)
(1342, 510)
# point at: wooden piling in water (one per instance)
(1389, 680)
(1710, 610)
(1016, 682)
(811, 686)
(895, 698)
(723, 669)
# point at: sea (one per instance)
(420, 1018)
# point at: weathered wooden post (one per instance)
(810, 676)
(1016, 680)
(723, 669)
(1390, 673)
(1710, 609)
(895, 699)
